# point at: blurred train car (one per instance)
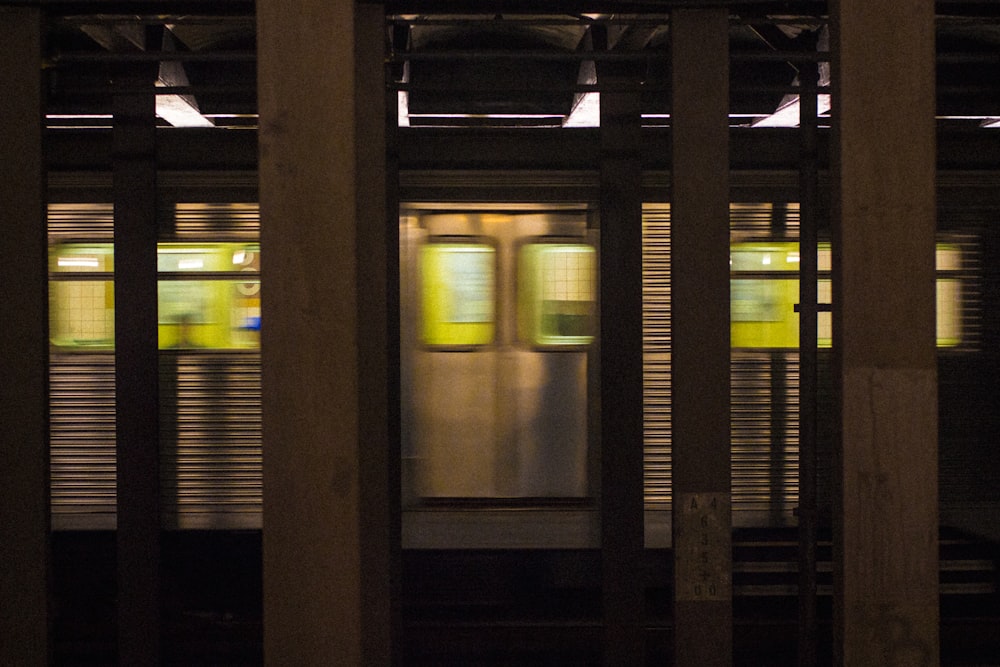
(498, 319)
(499, 349)
(209, 390)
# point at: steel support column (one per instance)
(808, 361)
(327, 516)
(24, 352)
(621, 367)
(886, 512)
(702, 540)
(137, 369)
(377, 221)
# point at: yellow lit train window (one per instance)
(82, 297)
(458, 288)
(217, 311)
(82, 313)
(556, 293)
(762, 300)
(948, 260)
(214, 314)
(220, 312)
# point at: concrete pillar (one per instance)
(24, 352)
(327, 508)
(700, 319)
(886, 527)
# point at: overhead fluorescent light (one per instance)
(586, 112)
(179, 112)
(788, 112)
(991, 123)
(403, 108)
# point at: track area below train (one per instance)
(490, 607)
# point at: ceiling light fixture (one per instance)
(787, 114)
(178, 110)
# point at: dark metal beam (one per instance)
(621, 496)
(137, 373)
(24, 351)
(808, 369)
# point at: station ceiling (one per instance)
(532, 64)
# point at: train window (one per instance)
(948, 260)
(216, 314)
(556, 293)
(218, 310)
(82, 313)
(764, 290)
(458, 293)
(763, 297)
(81, 296)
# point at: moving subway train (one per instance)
(499, 320)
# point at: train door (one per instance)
(499, 314)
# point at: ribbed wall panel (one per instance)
(93, 222)
(82, 436)
(764, 431)
(210, 438)
(215, 220)
(656, 384)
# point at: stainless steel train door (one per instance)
(499, 315)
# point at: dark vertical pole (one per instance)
(136, 370)
(394, 354)
(24, 352)
(808, 186)
(621, 368)
(886, 601)
(702, 537)
(378, 346)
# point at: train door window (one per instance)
(556, 293)
(458, 293)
